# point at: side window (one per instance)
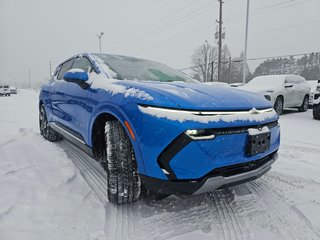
(82, 63)
(65, 67)
(55, 74)
(289, 80)
(300, 80)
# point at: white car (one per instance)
(238, 84)
(13, 90)
(313, 85)
(316, 103)
(283, 91)
(4, 90)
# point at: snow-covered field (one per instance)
(52, 191)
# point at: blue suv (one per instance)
(156, 130)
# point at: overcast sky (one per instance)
(34, 32)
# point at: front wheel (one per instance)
(278, 105)
(45, 130)
(305, 104)
(124, 185)
(316, 111)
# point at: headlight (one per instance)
(201, 134)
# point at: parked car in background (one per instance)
(4, 90)
(316, 103)
(313, 85)
(218, 84)
(237, 84)
(13, 90)
(282, 91)
(152, 127)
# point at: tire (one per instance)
(305, 105)
(278, 105)
(45, 130)
(124, 185)
(316, 112)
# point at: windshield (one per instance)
(267, 81)
(131, 68)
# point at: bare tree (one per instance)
(205, 59)
(202, 60)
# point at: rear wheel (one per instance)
(124, 183)
(316, 111)
(305, 104)
(45, 130)
(278, 105)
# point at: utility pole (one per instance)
(29, 78)
(220, 41)
(100, 36)
(230, 65)
(50, 73)
(244, 62)
(212, 69)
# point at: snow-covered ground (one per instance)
(52, 191)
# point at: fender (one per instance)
(117, 112)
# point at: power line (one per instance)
(268, 8)
(166, 26)
(257, 58)
(281, 28)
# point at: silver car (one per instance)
(283, 91)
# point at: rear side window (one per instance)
(299, 80)
(289, 80)
(64, 68)
(82, 63)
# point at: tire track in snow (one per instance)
(233, 226)
(290, 224)
(95, 176)
(89, 169)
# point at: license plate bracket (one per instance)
(258, 141)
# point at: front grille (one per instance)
(232, 170)
(237, 130)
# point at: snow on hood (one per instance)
(100, 81)
(197, 96)
(264, 83)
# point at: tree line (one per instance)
(205, 65)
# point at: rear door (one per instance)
(300, 90)
(289, 96)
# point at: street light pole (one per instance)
(100, 36)
(244, 62)
(220, 41)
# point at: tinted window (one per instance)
(82, 63)
(57, 71)
(65, 67)
(289, 80)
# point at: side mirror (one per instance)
(288, 85)
(75, 74)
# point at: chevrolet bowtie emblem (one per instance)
(254, 111)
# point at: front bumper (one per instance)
(218, 178)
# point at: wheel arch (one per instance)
(97, 124)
